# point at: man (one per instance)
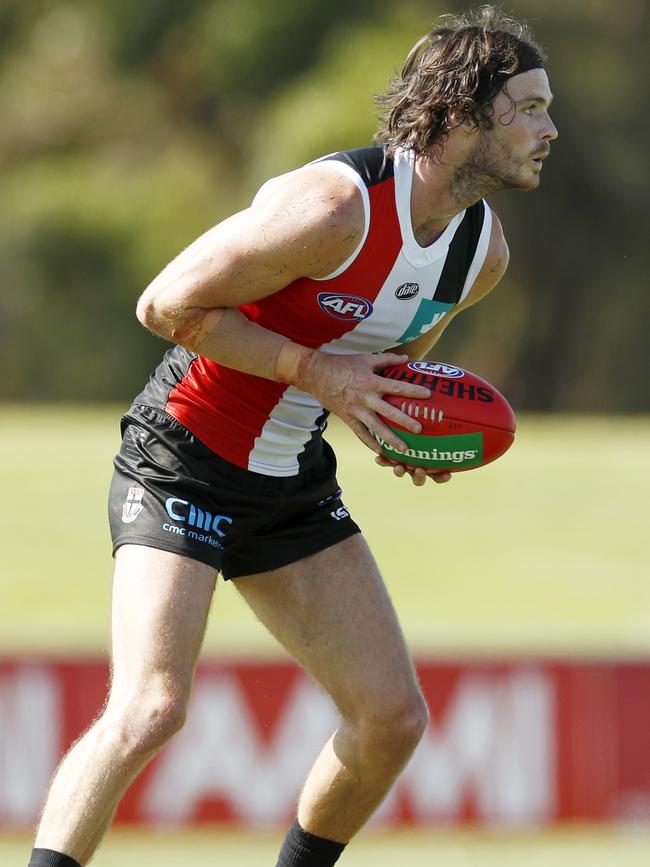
(279, 312)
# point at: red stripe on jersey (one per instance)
(226, 409)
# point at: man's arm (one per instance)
(304, 224)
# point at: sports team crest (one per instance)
(133, 505)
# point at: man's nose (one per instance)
(550, 131)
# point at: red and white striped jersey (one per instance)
(390, 291)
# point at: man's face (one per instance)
(510, 154)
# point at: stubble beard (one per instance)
(488, 169)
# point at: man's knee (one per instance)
(406, 723)
(144, 724)
(395, 727)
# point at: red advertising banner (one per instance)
(509, 744)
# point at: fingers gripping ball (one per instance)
(466, 423)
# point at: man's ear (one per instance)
(458, 119)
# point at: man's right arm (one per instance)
(304, 224)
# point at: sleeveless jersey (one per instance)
(390, 291)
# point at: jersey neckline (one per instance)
(404, 165)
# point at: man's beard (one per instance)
(487, 169)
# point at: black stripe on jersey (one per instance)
(373, 163)
(312, 449)
(171, 370)
(461, 254)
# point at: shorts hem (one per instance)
(159, 545)
(289, 558)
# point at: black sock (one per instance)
(50, 858)
(301, 849)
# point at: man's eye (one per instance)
(530, 109)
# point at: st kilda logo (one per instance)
(352, 308)
(132, 505)
(407, 291)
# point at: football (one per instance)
(466, 423)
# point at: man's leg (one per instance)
(160, 607)
(333, 614)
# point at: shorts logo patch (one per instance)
(351, 308)
(184, 512)
(132, 505)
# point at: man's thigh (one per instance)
(333, 613)
(161, 602)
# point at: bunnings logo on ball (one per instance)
(439, 453)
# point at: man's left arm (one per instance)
(494, 267)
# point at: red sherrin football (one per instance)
(466, 423)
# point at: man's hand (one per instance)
(349, 387)
(418, 474)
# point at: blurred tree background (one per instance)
(128, 128)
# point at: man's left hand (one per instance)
(418, 474)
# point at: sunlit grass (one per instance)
(543, 551)
(572, 847)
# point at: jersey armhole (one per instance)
(349, 172)
(481, 252)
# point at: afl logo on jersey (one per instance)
(435, 368)
(407, 291)
(352, 308)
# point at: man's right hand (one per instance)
(350, 387)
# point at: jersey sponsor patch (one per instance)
(351, 308)
(407, 291)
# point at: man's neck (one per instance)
(438, 193)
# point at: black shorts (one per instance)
(170, 491)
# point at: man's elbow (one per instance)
(176, 322)
(145, 311)
(152, 312)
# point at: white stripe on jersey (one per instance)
(289, 427)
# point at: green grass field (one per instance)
(574, 847)
(542, 552)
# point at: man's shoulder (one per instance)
(373, 164)
(324, 192)
(494, 265)
(338, 174)
(317, 214)
(498, 253)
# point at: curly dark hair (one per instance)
(461, 66)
